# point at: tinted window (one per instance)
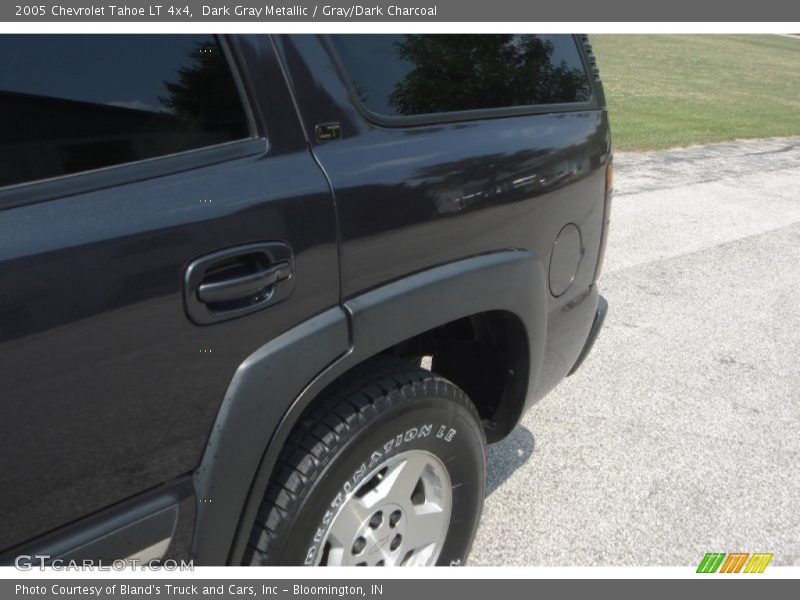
(419, 74)
(71, 103)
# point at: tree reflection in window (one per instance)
(76, 103)
(445, 73)
(202, 91)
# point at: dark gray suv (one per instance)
(265, 299)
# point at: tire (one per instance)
(340, 491)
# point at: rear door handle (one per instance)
(238, 288)
(237, 281)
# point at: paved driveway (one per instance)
(681, 433)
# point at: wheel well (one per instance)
(487, 356)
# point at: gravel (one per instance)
(680, 435)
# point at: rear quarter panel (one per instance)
(411, 198)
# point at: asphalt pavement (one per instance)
(680, 435)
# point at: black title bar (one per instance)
(260, 11)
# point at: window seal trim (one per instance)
(62, 186)
(462, 115)
(225, 44)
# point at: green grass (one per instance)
(676, 90)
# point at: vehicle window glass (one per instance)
(399, 75)
(71, 103)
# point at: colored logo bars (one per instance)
(734, 562)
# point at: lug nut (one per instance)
(359, 545)
(394, 518)
(376, 520)
(396, 542)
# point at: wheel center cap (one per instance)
(383, 533)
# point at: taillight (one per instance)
(606, 218)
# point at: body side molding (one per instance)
(143, 527)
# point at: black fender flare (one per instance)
(271, 388)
